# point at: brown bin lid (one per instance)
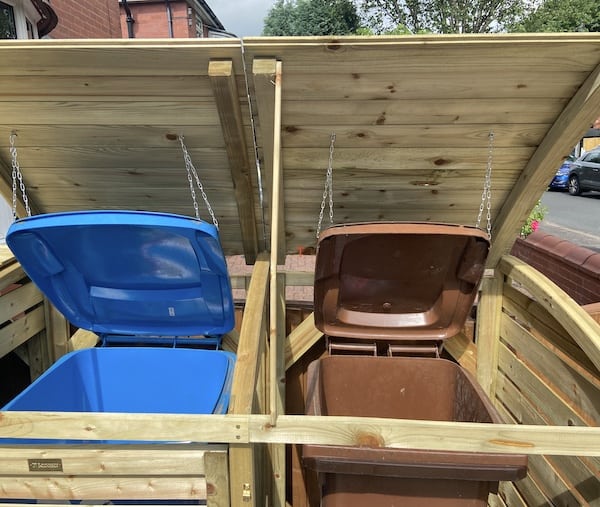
(397, 281)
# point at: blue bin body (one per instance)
(134, 380)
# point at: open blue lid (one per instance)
(128, 272)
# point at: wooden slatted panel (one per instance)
(407, 105)
(97, 125)
(408, 112)
(545, 378)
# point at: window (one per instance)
(18, 19)
(8, 26)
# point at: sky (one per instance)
(244, 18)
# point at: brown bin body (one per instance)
(403, 388)
(399, 288)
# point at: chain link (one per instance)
(328, 191)
(486, 195)
(193, 175)
(16, 175)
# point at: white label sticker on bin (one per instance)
(171, 311)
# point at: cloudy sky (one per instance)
(242, 17)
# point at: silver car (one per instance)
(585, 173)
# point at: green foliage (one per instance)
(533, 220)
(442, 16)
(563, 16)
(312, 17)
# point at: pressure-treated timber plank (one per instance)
(412, 136)
(267, 89)
(575, 119)
(367, 113)
(21, 330)
(249, 352)
(19, 300)
(489, 313)
(82, 339)
(464, 351)
(488, 53)
(332, 430)
(222, 78)
(443, 82)
(548, 331)
(111, 460)
(104, 488)
(277, 300)
(77, 112)
(58, 333)
(217, 479)
(251, 342)
(574, 319)
(547, 401)
(582, 392)
(151, 59)
(555, 476)
(300, 340)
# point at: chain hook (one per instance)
(328, 191)
(193, 175)
(16, 175)
(486, 195)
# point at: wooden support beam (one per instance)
(277, 302)
(223, 80)
(83, 339)
(564, 134)
(58, 332)
(300, 340)
(250, 348)
(217, 479)
(300, 429)
(576, 321)
(251, 343)
(265, 79)
(461, 348)
(489, 314)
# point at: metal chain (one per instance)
(191, 171)
(16, 175)
(328, 191)
(486, 195)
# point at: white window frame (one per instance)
(24, 10)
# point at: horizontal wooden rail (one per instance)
(408, 434)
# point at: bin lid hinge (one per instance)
(364, 349)
(428, 349)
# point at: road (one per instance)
(576, 219)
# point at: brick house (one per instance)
(169, 19)
(59, 19)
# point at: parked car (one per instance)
(585, 173)
(561, 178)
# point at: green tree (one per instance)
(563, 16)
(442, 16)
(312, 17)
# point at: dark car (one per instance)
(585, 173)
(561, 178)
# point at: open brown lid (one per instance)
(397, 281)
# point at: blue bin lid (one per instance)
(128, 272)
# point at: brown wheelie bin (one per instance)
(386, 296)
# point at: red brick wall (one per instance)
(86, 19)
(575, 269)
(151, 20)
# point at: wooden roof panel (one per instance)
(97, 123)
